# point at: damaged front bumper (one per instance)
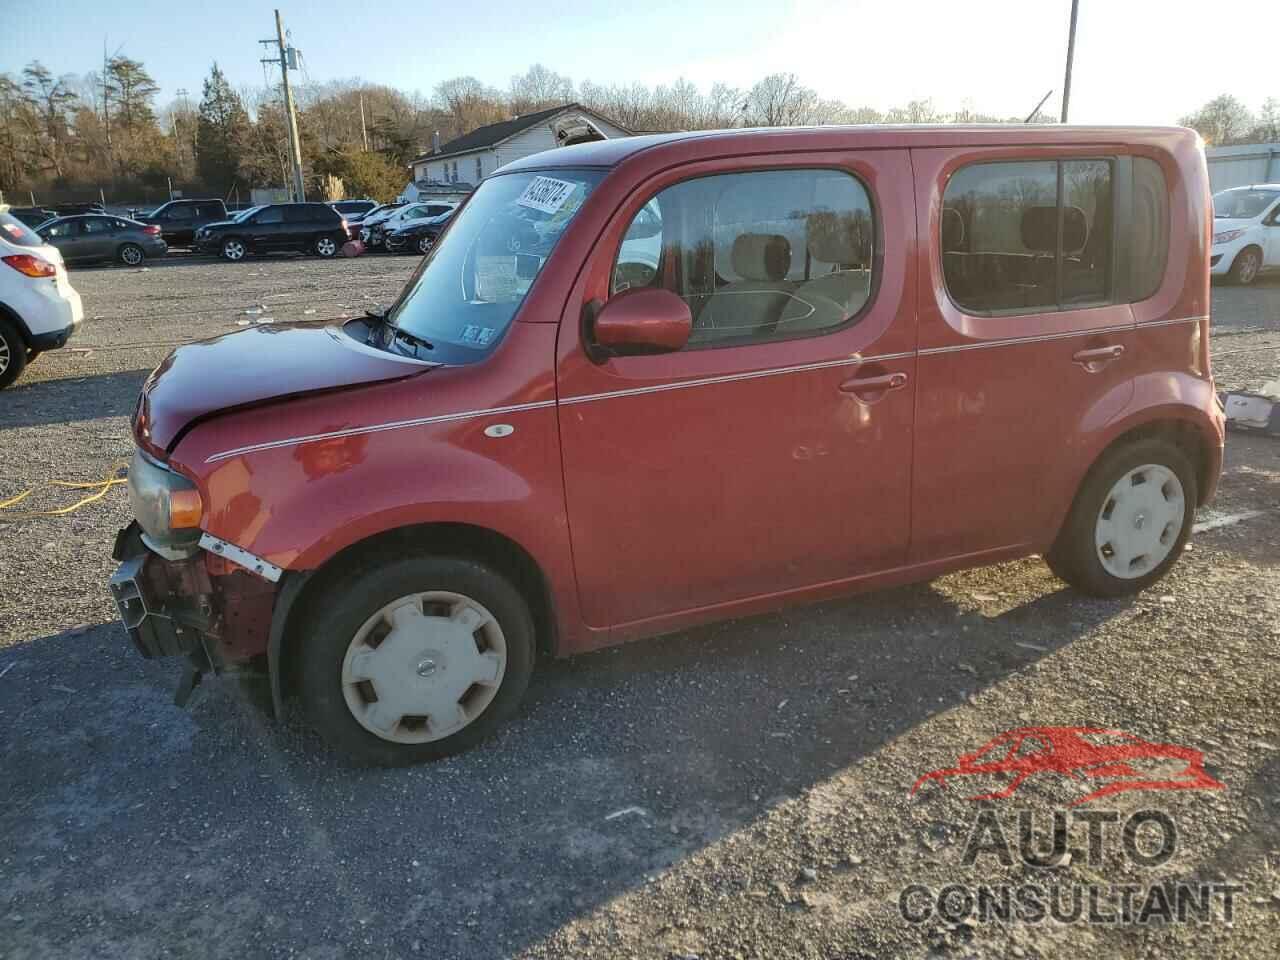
(213, 606)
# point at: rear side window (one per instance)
(17, 232)
(98, 225)
(1148, 229)
(1028, 236)
(179, 212)
(758, 256)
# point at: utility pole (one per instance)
(299, 190)
(1071, 53)
(364, 131)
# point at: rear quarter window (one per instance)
(1148, 228)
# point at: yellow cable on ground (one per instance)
(101, 488)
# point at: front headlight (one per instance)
(166, 504)
(1226, 236)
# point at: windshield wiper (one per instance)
(413, 338)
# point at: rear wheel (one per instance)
(1129, 521)
(233, 249)
(13, 353)
(424, 245)
(1247, 264)
(415, 659)
(325, 246)
(130, 254)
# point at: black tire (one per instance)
(425, 244)
(334, 620)
(1246, 266)
(1074, 556)
(13, 353)
(131, 255)
(325, 246)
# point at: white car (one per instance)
(39, 309)
(1246, 232)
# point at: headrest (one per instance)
(761, 256)
(1040, 229)
(952, 229)
(837, 238)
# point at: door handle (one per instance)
(871, 389)
(1095, 359)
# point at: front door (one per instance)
(266, 228)
(773, 452)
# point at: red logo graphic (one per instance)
(1081, 753)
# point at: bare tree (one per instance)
(1223, 120)
(537, 89)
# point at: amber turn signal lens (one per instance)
(184, 509)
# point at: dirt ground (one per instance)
(736, 791)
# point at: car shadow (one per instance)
(621, 763)
(29, 403)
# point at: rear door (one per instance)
(98, 239)
(773, 452)
(1025, 341)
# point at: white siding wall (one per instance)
(539, 138)
(534, 140)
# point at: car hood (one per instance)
(1223, 224)
(216, 223)
(249, 367)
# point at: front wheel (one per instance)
(233, 249)
(325, 246)
(1247, 264)
(1129, 521)
(415, 659)
(13, 353)
(131, 254)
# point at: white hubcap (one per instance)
(233, 250)
(325, 247)
(4, 354)
(1140, 521)
(131, 255)
(423, 667)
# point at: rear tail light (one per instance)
(151, 230)
(31, 266)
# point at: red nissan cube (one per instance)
(646, 383)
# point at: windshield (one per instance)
(466, 291)
(244, 215)
(1242, 204)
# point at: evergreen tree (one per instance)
(222, 131)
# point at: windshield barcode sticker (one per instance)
(546, 194)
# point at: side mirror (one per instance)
(638, 321)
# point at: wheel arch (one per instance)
(455, 539)
(8, 313)
(1187, 435)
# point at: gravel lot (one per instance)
(768, 760)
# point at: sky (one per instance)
(1137, 61)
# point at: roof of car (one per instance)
(1253, 186)
(608, 153)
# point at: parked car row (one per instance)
(207, 226)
